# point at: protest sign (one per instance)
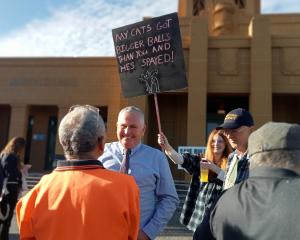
(150, 57)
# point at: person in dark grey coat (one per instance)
(266, 205)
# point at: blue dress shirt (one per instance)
(151, 171)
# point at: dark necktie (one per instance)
(125, 162)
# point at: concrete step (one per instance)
(33, 178)
(176, 231)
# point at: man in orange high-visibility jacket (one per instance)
(81, 200)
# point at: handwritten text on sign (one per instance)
(140, 49)
(149, 55)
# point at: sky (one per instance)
(82, 28)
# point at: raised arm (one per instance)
(169, 150)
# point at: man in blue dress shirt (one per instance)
(149, 167)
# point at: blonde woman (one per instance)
(201, 194)
(11, 170)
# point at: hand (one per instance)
(209, 165)
(163, 141)
(25, 168)
(142, 235)
(205, 164)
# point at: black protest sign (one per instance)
(150, 56)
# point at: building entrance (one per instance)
(286, 108)
(5, 112)
(219, 106)
(41, 137)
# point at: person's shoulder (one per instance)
(109, 149)
(8, 156)
(231, 155)
(155, 157)
(152, 150)
(110, 145)
(109, 174)
(47, 177)
(292, 182)
(45, 181)
(117, 178)
(235, 191)
(297, 178)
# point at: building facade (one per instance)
(234, 56)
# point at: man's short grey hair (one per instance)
(289, 159)
(80, 130)
(134, 110)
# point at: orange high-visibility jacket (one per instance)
(83, 202)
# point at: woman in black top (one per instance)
(12, 184)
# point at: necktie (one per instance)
(125, 162)
(232, 173)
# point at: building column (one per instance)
(252, 7)
(18, 120)
(62, 111)
(197, 82)
(185, 8)
(261, 71)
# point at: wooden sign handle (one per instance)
(157, 113)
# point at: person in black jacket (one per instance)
(12, 184)
(266, 205)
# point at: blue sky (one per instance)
(82, 27)
(15, 13)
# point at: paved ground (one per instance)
(171, 238)
(14, 234)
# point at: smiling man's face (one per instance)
(130, 129)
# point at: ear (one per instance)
(101, 143)
(144, 129)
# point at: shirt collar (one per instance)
(241, 156)
(270, 172)
(133, 150)
(63, 165)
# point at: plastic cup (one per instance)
(203, 171)
(203, 175)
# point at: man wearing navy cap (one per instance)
(238, 125)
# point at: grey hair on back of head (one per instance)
(80, 130)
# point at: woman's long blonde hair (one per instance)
(209, 155)
(14, 146)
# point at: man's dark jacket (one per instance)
(266, 206)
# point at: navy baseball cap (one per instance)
(237, 118)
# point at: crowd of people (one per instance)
(125, 190)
